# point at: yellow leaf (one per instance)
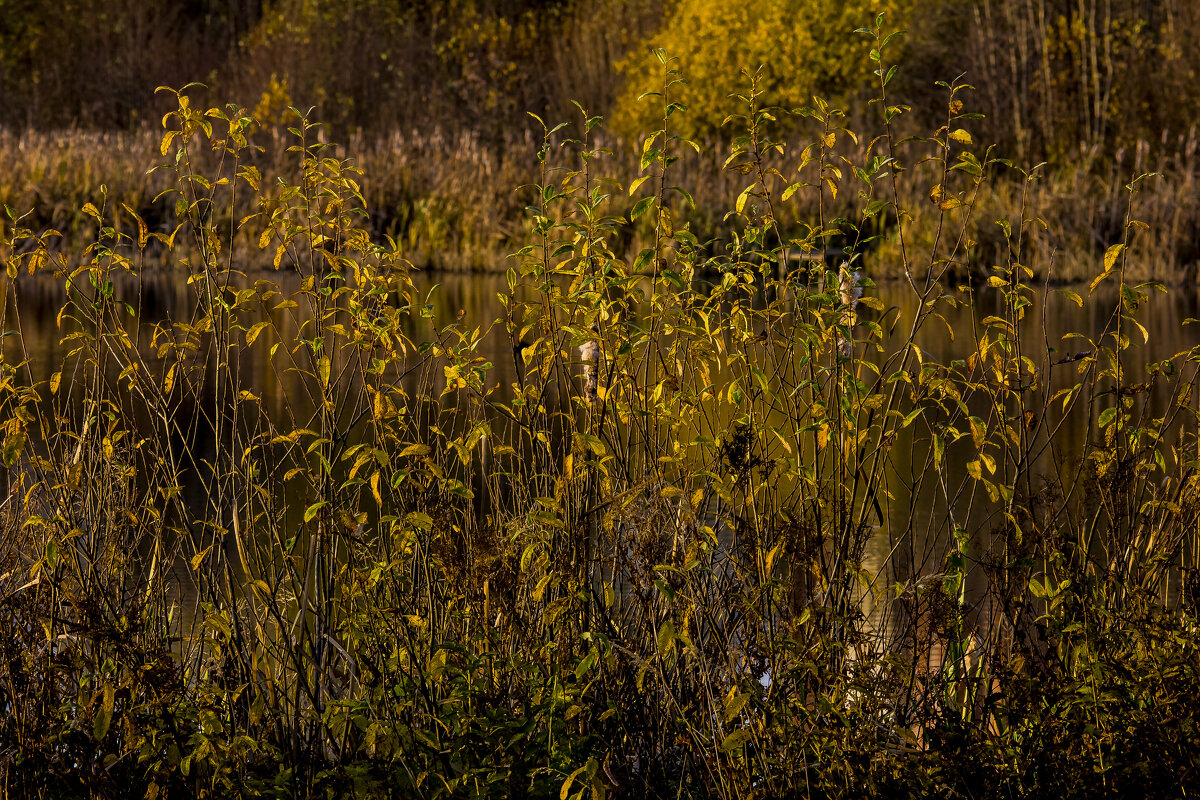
(961, 136)
(199, 557)
(1110, 260)
(769, 560)
(978, 431)
(745, 195)
(254, 331)
(566, 787)
(143, 234)
(1111, 255)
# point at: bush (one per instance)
(803, 49)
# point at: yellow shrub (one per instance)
(804, 46)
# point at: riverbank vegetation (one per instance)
(431, 100)
(676, 552)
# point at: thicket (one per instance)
(380, 65)
(1057, 77)
(431, 100)
(676, 555)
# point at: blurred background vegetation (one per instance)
(1053, 76)
(1100, 90)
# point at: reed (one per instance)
(452, 202)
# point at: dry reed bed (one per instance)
(450, 202)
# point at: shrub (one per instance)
(803, 49)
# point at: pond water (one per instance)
(472, 299)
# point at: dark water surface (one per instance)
(472, 300)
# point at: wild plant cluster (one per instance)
(301, 540)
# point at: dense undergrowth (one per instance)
(677, 556)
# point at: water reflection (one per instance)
(471, 300)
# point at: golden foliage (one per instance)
(804, 48)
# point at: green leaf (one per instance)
(312, 510)
(585, 666)
(735, 740)
(641, 207)
(13, 445)
(666, 636)
(763, 383)
(566, 787)
(104, 714)
(735, 704)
